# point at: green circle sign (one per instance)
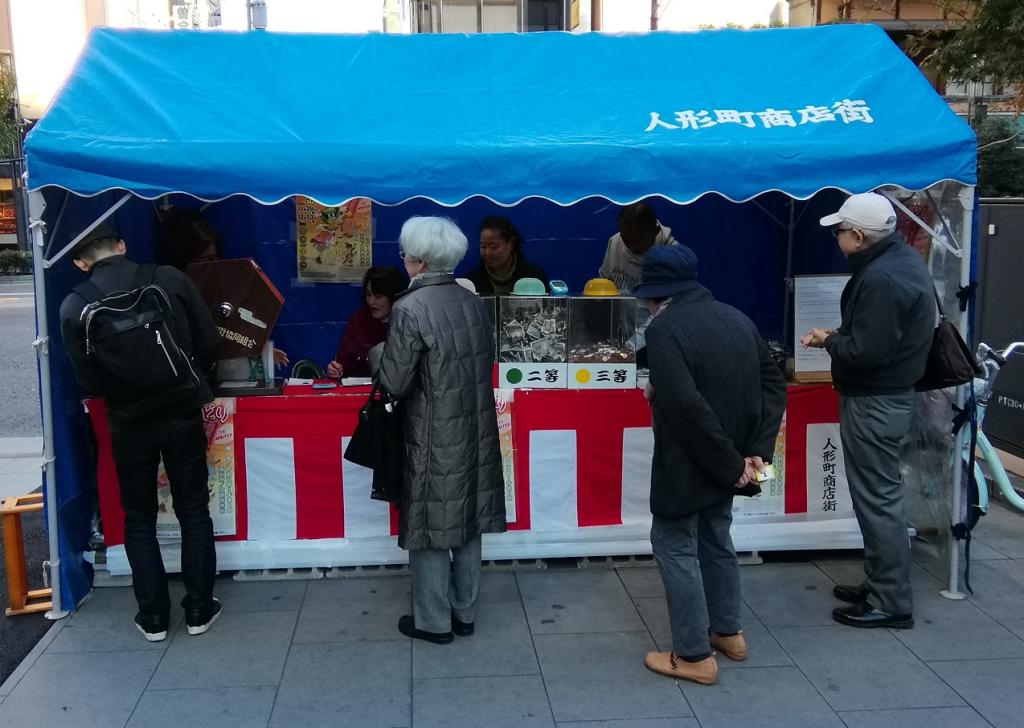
(514, 376)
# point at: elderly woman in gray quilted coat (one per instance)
(437, 361)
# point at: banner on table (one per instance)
(218, 421)
(333, 244)
(503, 403)
(827, 487)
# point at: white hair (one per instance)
(873, 236)
(437, 241)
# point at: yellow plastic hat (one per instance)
(600, 287)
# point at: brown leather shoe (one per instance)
(734, 646)
(704, 672)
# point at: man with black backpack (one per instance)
(142, 337)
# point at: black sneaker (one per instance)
(200, 620)
(462, 629)
(153, 627)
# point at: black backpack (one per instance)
(132, 341)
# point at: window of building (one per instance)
(488, 16)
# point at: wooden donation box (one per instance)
(244, 303)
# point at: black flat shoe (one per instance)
(865, 615)
(462, 629)
(850, 594)
(407, 626)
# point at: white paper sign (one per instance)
(827, 488)
(815, 306)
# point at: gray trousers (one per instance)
(872, 429)
(702, 578)
(443, 585)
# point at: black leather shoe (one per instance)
(407, 626)
(865, 615)
(462, 629)
(850, 594)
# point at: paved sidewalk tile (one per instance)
(224, 707)
(495, 702)
(499, 587)
(98, 690)
(261, 596)
(564, 602)
(20, 447)
(788, 595)
(501, 645)
(998, 588)
(991, 686)
(1003, 529)
(915, 718)
(847, 571)
(950, 630)
(243, 649)
(639, 723)
(354, 609)
(602, 676)
(363, 684)
(1014, 625)
(767, 697)
(864, 669)
(105, 622)
(643, 582)
(763, 650)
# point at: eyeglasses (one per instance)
(836, 229)
(405, 256)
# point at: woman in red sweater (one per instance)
(369, 324)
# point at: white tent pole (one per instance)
(960, 442)
(36, 207)
(81, 236)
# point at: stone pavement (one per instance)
(20, 458)
(553, 647)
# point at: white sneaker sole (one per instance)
(152, 636)
(205, 627)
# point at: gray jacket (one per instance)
(437, 360)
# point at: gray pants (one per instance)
(444, 585)
(702, 578)
(872, 429)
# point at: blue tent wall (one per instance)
(741, 250)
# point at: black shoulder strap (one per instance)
(144, 275)
(90, 292)
(938, 303)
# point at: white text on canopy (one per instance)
(846, 111)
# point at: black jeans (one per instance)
(137, 449)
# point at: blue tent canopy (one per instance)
(507, 117)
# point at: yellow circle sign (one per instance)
(582, 376)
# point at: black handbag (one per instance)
(379, 444)
(950, 362)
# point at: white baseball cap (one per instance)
(467, 284)
(867, 211)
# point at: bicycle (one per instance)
(990, 361)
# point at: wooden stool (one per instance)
(22, 600)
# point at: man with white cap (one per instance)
(878, 354)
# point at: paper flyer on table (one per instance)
(218, 421)
(815, 306)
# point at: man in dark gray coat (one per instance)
(878, 354)
(717, 399)
(437, 361)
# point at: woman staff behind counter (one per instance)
(502, 261)
(368, 326)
